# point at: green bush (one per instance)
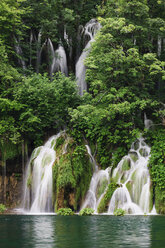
(119, 212)
(86, 211)
(65, 211)
(2, 208)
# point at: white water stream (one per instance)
(132, 175)
(98, 185)
(38, 182)
(90, 31)
(58, 59)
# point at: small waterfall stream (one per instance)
(98, 185)
(90, 31)
(58, 58)
(132, 175)
(38, 182)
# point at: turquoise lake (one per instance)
(46, 231)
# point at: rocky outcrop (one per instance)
(11, 189)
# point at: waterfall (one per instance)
(58, 59)
(98, 184)
(147, 122)
(90, 30)
(38, 180)
(159, 46)
(132, 175)
(39, 51)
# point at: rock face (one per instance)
(11, 189)
(11, 182)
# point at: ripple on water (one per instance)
(81, 232)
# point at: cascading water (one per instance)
(38, 182)
(132, 175)
(147, 122)
(58, 58)
(98, 185)
(90, 30)
(60, 61)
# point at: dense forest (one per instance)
(125, 78)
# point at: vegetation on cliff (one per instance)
(125, 79)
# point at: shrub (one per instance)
(119, 212)
(86, 211)
(2, 208)
(65, 211)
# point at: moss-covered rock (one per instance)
(101, 187)
(133, 156)
(136, 145)
(143, 152)
(129, 185)
(126, 164)
(103, 205)
(72, 173)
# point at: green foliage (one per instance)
(101, 187)
(71, 174)
(119, 212)
(65, 212)
(103, 205)
(59, 142)
(65, 177)
(45, 103)
(160, 200)
(157, 159)
(157, 167)
(86, 211)
(2, 208)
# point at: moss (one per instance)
(126, 164)
(159, 200)
(60, 141)
(133, 177)
(119, 212)
(143, 152)
(129, 186)
(72, 173)
(36, 152)
(136, 145)
(101, 187)
(29, 181)
(133, 156)
(2, 208)
(65, 212)
(116, 178)
(103, 205)
(86, 211)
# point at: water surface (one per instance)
(19, 231)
